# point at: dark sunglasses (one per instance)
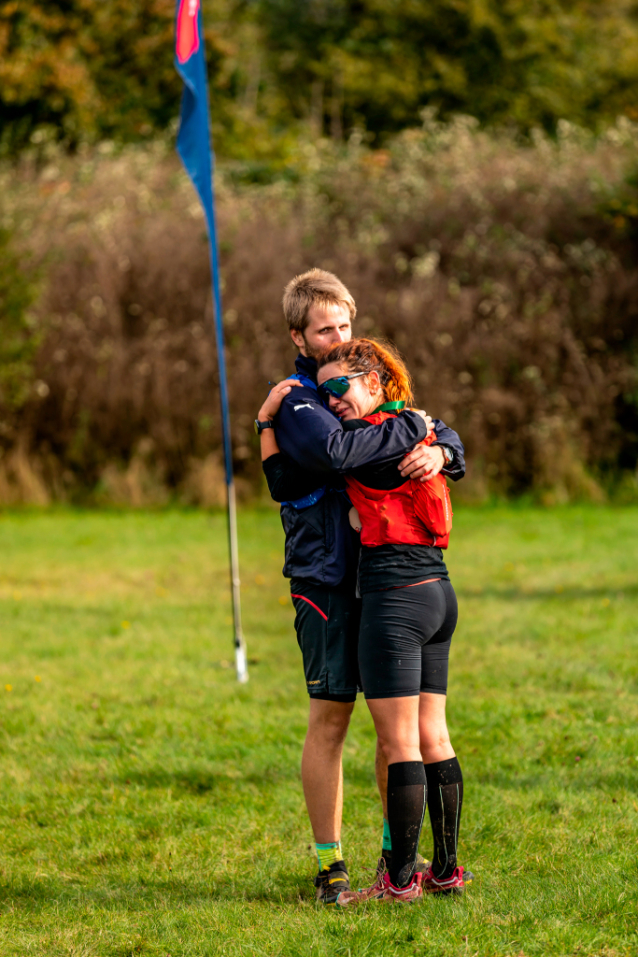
(338, 386)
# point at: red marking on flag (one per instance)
(187, 41)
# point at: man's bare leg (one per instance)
(381, 770)
(321, 770)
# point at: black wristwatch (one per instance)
(260, 426)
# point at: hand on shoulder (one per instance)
(271, 406)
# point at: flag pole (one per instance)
(231, 503)
(194, 148)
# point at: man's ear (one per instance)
(297, 338)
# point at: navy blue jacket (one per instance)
(320, 545)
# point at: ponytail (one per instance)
(369, 355)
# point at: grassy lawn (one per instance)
(152, 806)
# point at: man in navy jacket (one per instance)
(321, 548)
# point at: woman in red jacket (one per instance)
(408, 618)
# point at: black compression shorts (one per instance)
(404, 641)
(327, 626)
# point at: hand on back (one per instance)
(426, 418)
(425, 461)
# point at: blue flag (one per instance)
(194, 148)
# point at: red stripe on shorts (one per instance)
(414, 584)
(316, 607)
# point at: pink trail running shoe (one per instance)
(348, 899)
(378, 888)
(455, 884)
(404, 895)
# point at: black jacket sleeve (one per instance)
(288, 481)
(444, 436)
(449, 438)
(314, 438)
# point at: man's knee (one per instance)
(329, 720)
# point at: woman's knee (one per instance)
(396, 721)
(434, 740)
(398, 744)
(387, 746)
(397, 751)
(436, 747)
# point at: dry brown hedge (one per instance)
(504, 272)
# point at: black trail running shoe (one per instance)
(333, 885)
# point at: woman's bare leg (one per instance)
(433, 734)
(397, 725)
(445, 783)
(434, 741)
(396, 721)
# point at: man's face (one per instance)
(326, 326)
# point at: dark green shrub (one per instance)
(496, 268)
(18, 338)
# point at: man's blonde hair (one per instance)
(315, 287)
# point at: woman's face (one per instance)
(363, 396)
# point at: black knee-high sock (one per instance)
(445, 798)
(407, 794)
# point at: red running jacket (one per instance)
(415, 513)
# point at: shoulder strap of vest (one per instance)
(300, 503)
(304, 379)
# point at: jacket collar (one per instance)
(306, 366)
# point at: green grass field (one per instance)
(152, 806)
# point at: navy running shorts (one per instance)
(327, 626)
(404, 641)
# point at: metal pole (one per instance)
(240, 645)
(241, 664)
(195, 149)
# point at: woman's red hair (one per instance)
(368, 355)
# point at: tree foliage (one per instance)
(88, 70)
(379, 62)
